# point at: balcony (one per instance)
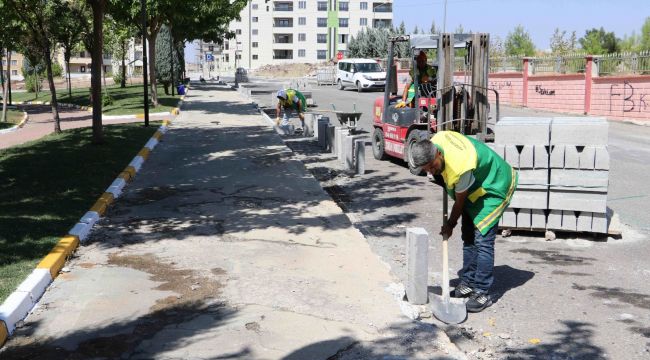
(283, 22)
(382, 23)
(282, 54)
(282, 6)
(382, 7)
(283, 39)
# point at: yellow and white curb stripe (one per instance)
(18, 305)
(16, 127)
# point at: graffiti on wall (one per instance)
(632, 101)
(540, 90)
(500, 85)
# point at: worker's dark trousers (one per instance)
(478, 256)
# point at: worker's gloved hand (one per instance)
(277, 121)
(400, 104)
(446, 230)
(301, 116)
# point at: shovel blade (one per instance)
(449, 311)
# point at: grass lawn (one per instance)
(129, 100)
(48, 184)
(14, 117)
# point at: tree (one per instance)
(401, 48)
(68, 30)
(560, 45)
(433, 29)
(645, 35)
(116, 42)
(497, 49)
(416, 30)
(37, 18)
(164, 58)
(94, 41)
(10, 32)
(519, 43)
(599, 41)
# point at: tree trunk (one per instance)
(9, 74)
(151, 39)
(96, 70)
(50, 80)
(123, 81)
(4, 88)
(67, 65)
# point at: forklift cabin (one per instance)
(443, 103)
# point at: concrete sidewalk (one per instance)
(224, 247)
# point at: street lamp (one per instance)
(144, 62)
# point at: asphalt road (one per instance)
(578, 297)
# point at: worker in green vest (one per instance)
(290, 100)
(482, 184)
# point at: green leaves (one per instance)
(518, 42)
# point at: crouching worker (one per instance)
(290, 100)
(482, 184)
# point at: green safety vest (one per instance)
(429, 70)
(290, 102)
(495, 180)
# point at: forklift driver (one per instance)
(425, 73)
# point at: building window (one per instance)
(363, 5)
(254, 31)
(382, 7)
(322, 6)
(343, 6)
(283, 54)
(254, 57)
(238, 56)
(343, 22)
(255, 44)
(255, 19)
(255, 6)
(226, 45)
(382, 23)
(82, 69)
(283, 6)
(14, 62)
(302, 4)
(321, 38)
(343, 38)
(302, 37)
(363, 22)
(322, 22)
(82, 54)
(238, 31)
(302, 21)
(321, 54)
(301, 53)
(211, 48)
(284, 22)
(227, 58)
(14, 72)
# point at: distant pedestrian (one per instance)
(290, 100)
(482, 184)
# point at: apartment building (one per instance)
(305, 31)
(17, 60)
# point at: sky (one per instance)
(538, 17)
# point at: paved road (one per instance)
(583, 298)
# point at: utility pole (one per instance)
(171, 55)
(444, 19)
(145, 73)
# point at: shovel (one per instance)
(444, 308)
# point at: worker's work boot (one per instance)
(478, 302)
(462, 291)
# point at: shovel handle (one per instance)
(445, 249)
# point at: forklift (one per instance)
(443, 103)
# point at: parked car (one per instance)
(360, 73)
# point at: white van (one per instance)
(360, 73)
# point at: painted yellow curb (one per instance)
(55, 260)
(144, 153)
(102, 203)
(166, 122)
(130, 170)
(4, 334)
(157, 135)
(139, 116)
(125, 175)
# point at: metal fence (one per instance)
(565, 64)
(624, 63)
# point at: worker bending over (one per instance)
(482, 184)
(290, 100)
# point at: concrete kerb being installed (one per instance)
(18, 126)
(18, 305)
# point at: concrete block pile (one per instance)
(563, 167)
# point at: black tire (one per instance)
(414, 137)
(340, 84)
(359, 87)
(378, 144)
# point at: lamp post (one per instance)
(145, 73)
(444, 19)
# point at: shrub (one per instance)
(107, 99)
(33, 83)
(57, 70)
(117, 78)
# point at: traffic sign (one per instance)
(209, 57)
(339, 55)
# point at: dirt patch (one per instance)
(288, 70)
